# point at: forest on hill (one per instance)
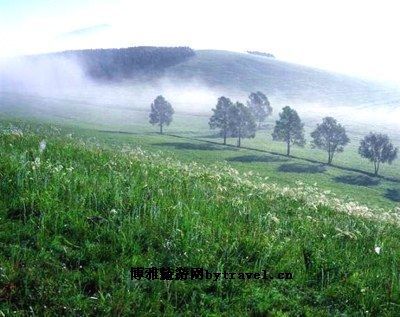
(122, 63)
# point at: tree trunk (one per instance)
(225, 137)
(288, 149)
(161, 130)
(376, 165)
(329, 154)
(239, 141)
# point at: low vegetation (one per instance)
(77, 214)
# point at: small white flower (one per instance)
(113, 211)
(275, 219)
(377, 250)
(58, 168)
(36, 164)
(42, 146)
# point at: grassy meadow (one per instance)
(77, 214)
(189, 138)
(107, 193)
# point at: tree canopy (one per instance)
(378, 149)
(259, 106)
(289, 129)
(330, 136)
(222, 117)
(242, 124)
(161, 112)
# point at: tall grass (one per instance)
(76, 216)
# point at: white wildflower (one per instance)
(377, 249)
(42, 146)
(275, 219)
(58, 168)
(113, 211)
(16, 132)
(36, 164)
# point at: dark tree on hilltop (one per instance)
(161, 112)
(261, 54)
(378, 149)
(222, 117)
(242, 124)
(289, 129)
(330, 136)
(259, 106)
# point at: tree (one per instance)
(259, 106)
(289, 129)
(221, 119)
(330, 136)
(242, 123)
(378, 149)
(161, 112)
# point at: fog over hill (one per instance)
(193, 80)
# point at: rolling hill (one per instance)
(78, 84)
(224, 71)
(248, 72)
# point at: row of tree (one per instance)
(238, 120)
(242, 121)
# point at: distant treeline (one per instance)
(114, 64)
(261, 54)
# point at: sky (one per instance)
(352, 37)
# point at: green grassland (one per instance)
(189, 138)
(76, 216)
(109, 193)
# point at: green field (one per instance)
(109, 193)
(77, 216)
(189, 138)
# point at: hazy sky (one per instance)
(349, 36)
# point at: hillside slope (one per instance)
(225, 72)
(281, 79)
(77, 215)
